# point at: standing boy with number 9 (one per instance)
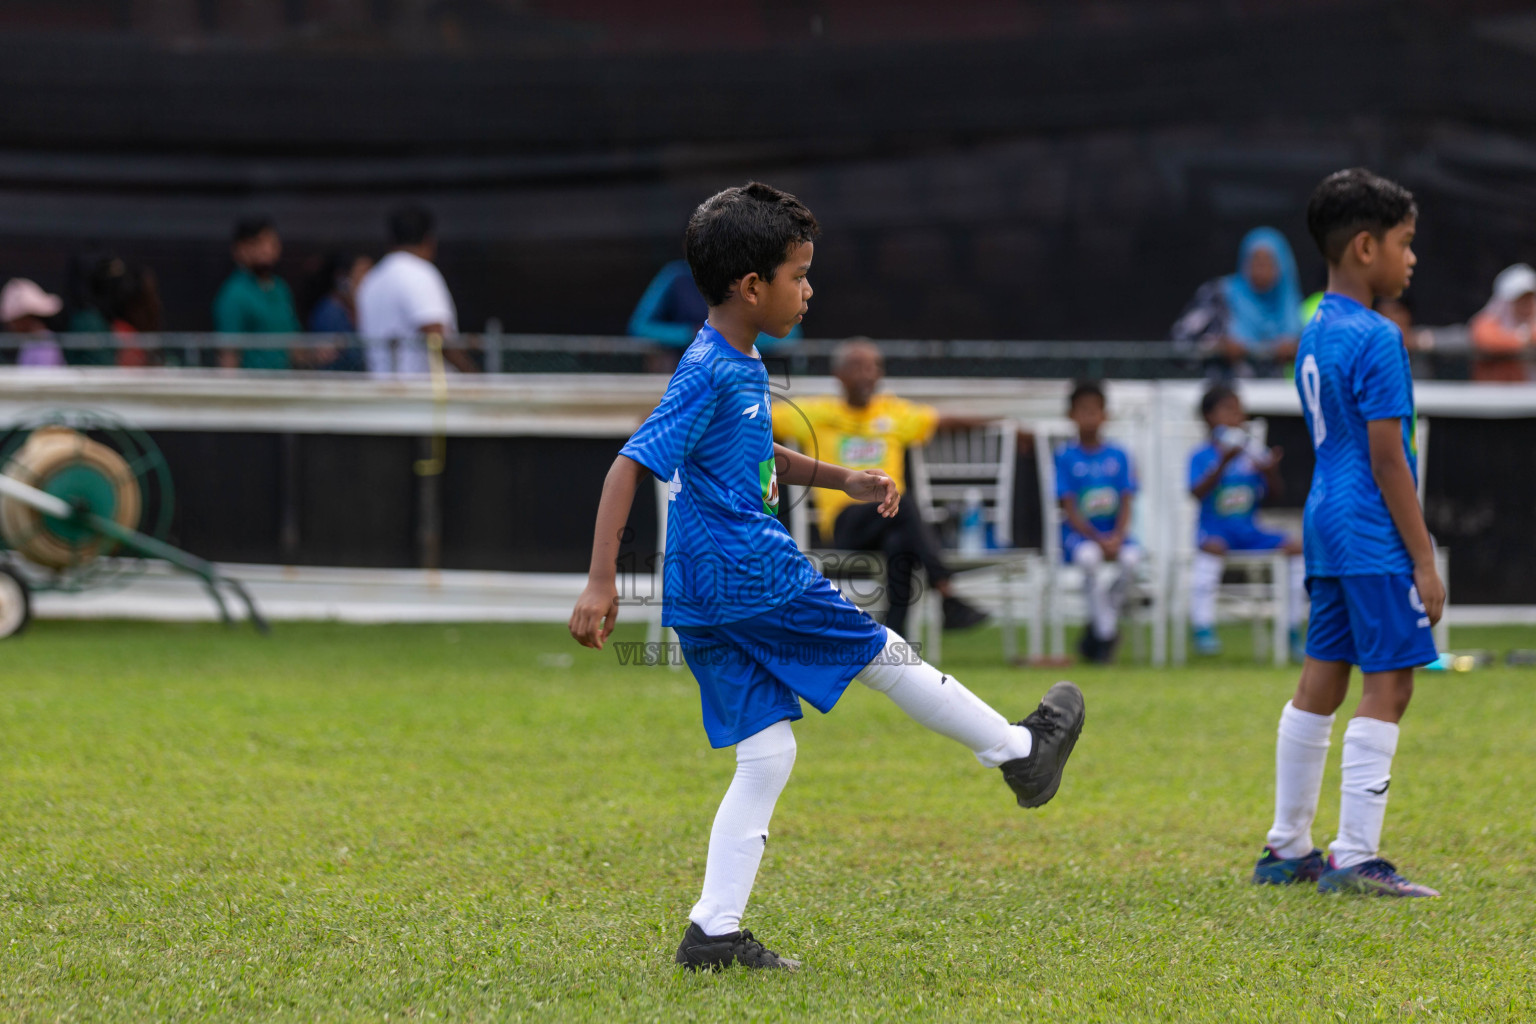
(1370, 561)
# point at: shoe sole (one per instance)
(1355, 887)
(1050, 791)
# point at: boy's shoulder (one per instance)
(1344, 320)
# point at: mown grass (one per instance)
(487, 823)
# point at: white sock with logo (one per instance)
(1301, 752)
(939, 702)
(1369, 745)
(740, 832)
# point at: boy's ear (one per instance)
(749, 288)
(1364, 246)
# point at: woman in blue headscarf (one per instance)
(1248, 323)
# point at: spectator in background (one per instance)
(24, 309)
(254, 300)
(1416, 340)
(671, 311)
(404, 300)
(135, 308)
(1248, 324)
(335, 310)
(1501, 333)
(89, 283)
(866, 430)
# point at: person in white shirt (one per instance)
(404, 299)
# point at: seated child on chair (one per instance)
(1095, 483)
(1229, 476)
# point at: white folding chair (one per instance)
(860, 576)
(945, 472)
(1146, 604)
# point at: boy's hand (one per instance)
(597, 603)
(1110, 544)
(1431, 591)
(873, 485)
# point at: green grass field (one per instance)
(488, 823)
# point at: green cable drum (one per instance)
(94, 462)
(87, 474)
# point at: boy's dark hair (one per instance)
(1085, 389)
(1348, 202)
(247, 228)
(744, 230)
(411, 224)
(1211, 399)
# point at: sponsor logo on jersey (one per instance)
(1234, 500)
(861, 452)
(1097, 502)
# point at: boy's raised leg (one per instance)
(736, 842)
(1031, 753)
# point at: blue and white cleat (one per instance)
(1375, 877)
(1273, 869)
(1207, 642)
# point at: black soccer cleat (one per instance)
(1055, 725)
(700, 952)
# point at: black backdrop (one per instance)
(527, 504)
(1075, 176)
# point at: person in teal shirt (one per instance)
(254, 300)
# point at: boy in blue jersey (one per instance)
(1370, 560)
(1096, 484)
(760, 628)
(1229, 480)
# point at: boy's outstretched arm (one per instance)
(1389, 466)
(597, 608)
(859, 484)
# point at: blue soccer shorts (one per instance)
(755, 672)
(1376, 622)
(1245, 535)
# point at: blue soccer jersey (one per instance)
(727, 557)
(1233, 502)
(1097, 480)
(1352, 368)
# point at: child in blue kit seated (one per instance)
(1229, 476)
(1095, 484)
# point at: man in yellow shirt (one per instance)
(867, 430)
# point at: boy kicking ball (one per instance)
(1370, 561)
(760, 628)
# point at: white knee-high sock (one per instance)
(740, 832)
(1300, 754)
(1204, 579)
(939, 702)
(1125, 571)
(1368, 748)
(1298, 601)
(1098, 584)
